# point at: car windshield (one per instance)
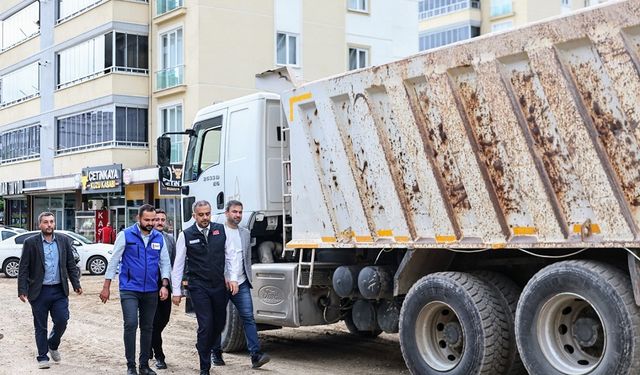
(79, 237)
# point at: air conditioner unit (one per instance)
(96, 204)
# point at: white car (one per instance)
(94, 257)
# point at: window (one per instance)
(164, 6)
(434, 8)
(97, 56)
(171, 121)
(20, 144)
(131, 126)
(358, 58)
(97, 129)
(500, 7)
(69, 8)
(20, 26)
(286, 49)
(204, 145)
(171, 60)
(565, 3)
(358, 5)
(447, 36)
(20, 85)
(507, 25)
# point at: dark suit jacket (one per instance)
(31, 273)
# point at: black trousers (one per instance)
(160, 320)
(138, 309)
(210, 306)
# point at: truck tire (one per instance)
(579, 317)
(233, 339)
(510, 293)
(351, 326)
(454, 323)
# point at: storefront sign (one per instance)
(171, 186)
(103, 179)
(102, 219)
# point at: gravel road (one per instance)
(93, 343)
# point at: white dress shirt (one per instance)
(178, 264)
(234, 257)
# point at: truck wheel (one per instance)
(351, 326)
(454, 323)
(232, 336)
(579, 317)
(510, 293)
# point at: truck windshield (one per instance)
(204, 148)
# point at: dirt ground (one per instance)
(93, 343)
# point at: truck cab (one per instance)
(234, 152)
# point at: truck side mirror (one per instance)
(164, 151)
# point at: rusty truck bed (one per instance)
(528, 138)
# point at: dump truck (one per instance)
(482, 200)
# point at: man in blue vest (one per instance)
(145, 259)
(202, 245)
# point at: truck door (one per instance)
(203, 177)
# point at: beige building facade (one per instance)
(443, 22)
(86, 86)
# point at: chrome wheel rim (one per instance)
(571, 334)
(12, 269)
(97, 266)
(439, 336)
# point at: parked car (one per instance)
(6, 233)
(91, 257)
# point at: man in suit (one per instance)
(145, 260)
(238, 280)
(163, 311)
(202, 245)
(46, 267)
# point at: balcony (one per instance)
(170, 77)
(164, 6)
(450, 8)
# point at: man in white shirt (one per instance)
(238, 279)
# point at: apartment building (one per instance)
(443, 22)
(86, 86)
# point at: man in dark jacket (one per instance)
(46, 267)
(163, 311)
(144, 259)
(202, 245)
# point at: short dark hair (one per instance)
(45, 214)
(200, 203)
(161, 211)
(232, 203)
(146, 208)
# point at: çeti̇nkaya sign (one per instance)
(103, 179)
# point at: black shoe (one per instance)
(161, 364)
(216, 358)
(204, 372)
(146, 371)
(132, 371)
(258, 359)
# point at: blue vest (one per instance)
(140, 268)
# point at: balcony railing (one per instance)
(460, 5)
(164, 6)
(170, 77)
